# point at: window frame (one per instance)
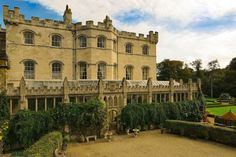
(129, 72)
(83, 74)
(145, 73)
(101, 73)
(56, 40)
(82, 44)
(102, 43)
(57, 70)
(28, 40)
(145, 50)
(129, 48)
(29, 70)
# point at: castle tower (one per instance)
(67, 15)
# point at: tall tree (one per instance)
(173, 69)
(212, 66)
(197, 65)
(232, 64)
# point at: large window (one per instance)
(56, 40)
(101, 42)
(56, 71)
(129, 73)
(29, 70)
(83, 70)
(145, 50)
(29, 37)
(82, 41)
(101, 72)
(128, 48)
(145, 73)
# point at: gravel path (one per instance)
(150, 144)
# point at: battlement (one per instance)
(14, 17)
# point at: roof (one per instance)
(229, 116)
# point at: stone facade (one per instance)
(46, 62)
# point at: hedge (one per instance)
(142, 116)
(25, 128)
(45, 146)
(202, 130)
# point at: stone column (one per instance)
(22, 91)
(100, 89)
(124, 86)
(190, 89)
(66, 91)
(171, 85)
(149, 85)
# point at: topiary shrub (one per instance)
(45, 146)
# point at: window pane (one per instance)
(29, 37)
(29, 70)
(49, 103)
(128, 48)
(129, 71)
(41, 104)
(145, 50)
(145, 73)
(101, 72)
(101, 42)
(83, 71)
(56, 71)
(32, 104)
(83, 41)
(56, 40)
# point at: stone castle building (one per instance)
(44, 62)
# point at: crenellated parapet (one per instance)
(14, 17)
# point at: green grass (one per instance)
(219, 111)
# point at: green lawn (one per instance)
(219, 111)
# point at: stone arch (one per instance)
(110, 101)
(112, 114)
(115, 101)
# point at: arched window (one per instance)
(128, 48)
(29, 70)
(82, 41)
(129, 73)
(56, 40)
(101, 42)
(145, 73)
(83, 70)
(101, 72)
(29, 37)
(145, 50)
(56, 71)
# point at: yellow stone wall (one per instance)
(43, 53)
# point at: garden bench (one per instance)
(91, 137)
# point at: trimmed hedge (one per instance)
(25, 128)
(45, 146)
(201, 130)
(142, 116)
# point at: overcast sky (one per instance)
(188, 29)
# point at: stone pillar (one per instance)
(149, 85)
(22, 91)
(199, 85)
(171, 85)
(66, 91)
(181, 82)
(100, 89)
(190, 89)
(124, 86)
